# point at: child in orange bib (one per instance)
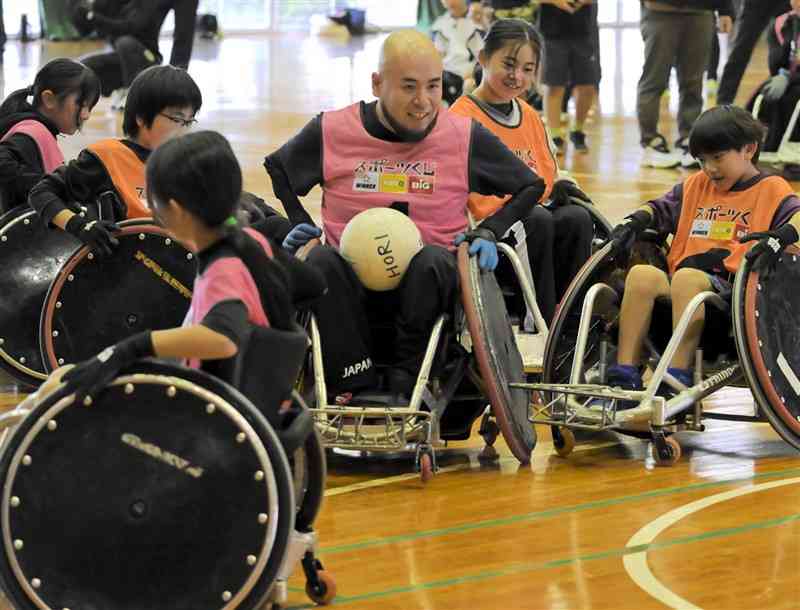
(162, 102)
(557, 230)
(712, 215)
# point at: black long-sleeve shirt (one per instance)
(494, 169)
(21, 165)
(82, 180)
(780, 53)
(143, 19)
(230, 317)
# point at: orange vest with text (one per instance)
(710, 219)
(528, 141)
(126, 171)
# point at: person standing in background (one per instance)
(675, 33)
(753, 20)
(133, 30)
(2, 33)
(458, 38)
(570, 58)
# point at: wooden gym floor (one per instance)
(601, 529)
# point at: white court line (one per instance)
(636, 563)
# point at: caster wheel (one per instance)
(489, 430)
(324, 594)
(488, 453)
(563, 441)
(425, 467)
(672, 447)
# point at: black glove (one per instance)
(81, 14)
(90, 377)
(769, 248)
(564, 190)
(97, 234)
(625, 233)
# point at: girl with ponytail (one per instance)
(59, 101)
(194, 183)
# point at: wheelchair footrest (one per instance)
(373, 428)
(587, 406)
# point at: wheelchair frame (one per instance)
(302, 545)
(407, 427)
(568, 406)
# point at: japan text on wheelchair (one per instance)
(474, 355)
(751, 342)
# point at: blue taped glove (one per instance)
(299, 236)
(776, 86)
(482, 243)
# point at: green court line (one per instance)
(552, 512)
(532, 567)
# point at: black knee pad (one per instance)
(574, 220)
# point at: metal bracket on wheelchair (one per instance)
(300, 544)
(367, 428)
(588, 406)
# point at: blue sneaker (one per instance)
(623, 376)
(683, 375)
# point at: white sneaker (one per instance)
(118, 98)
(657, 154)
(687, 160)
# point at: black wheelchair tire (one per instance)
(258, 595)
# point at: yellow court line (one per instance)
(540, 448)
(636, 563)
(345, 489)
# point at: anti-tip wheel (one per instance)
(563, 440)
(325, 593)
(425, 467)
(488, 453)
(674, 449)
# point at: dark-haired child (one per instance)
(63, 95)
(712, 216)
(162, 103)
(558, 234)
(243, 280)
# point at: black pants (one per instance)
(359, 327)
(558, 242)
(753, 19)
(118, 68)
(2, 32)
(712, 72)
(776, 116)
(452, 87)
